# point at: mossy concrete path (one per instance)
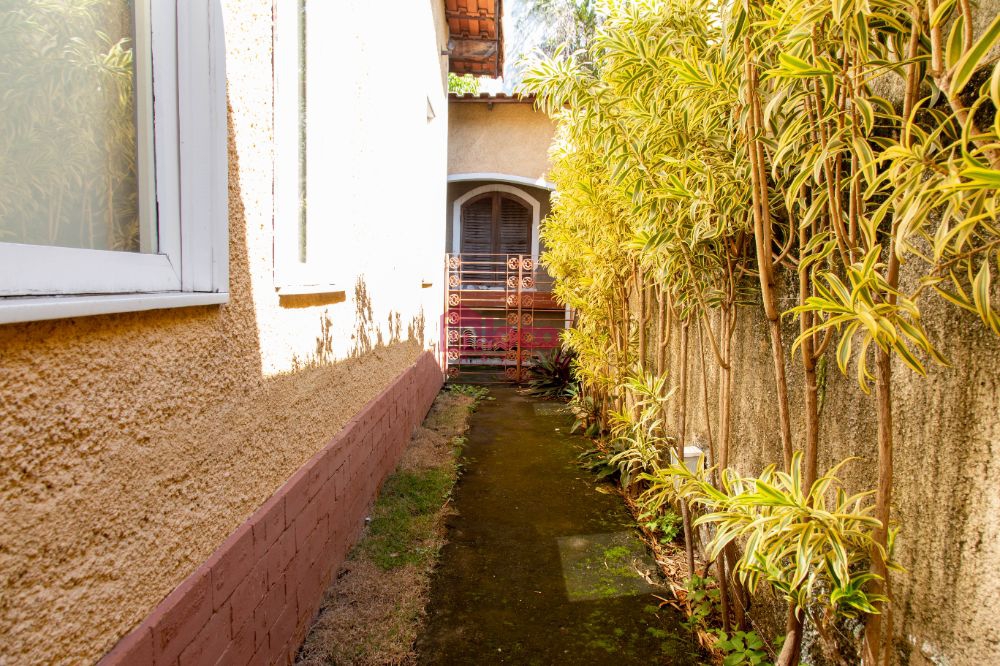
(539, 567)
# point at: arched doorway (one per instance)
(497, 319)
(496, 223)
(502, 216)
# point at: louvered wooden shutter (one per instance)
(515, 227)
(477, 227)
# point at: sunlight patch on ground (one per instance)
(551, 408)
(600, 566)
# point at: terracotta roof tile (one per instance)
(472, 24)
(491, 98)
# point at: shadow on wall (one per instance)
(367, 334)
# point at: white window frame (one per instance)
(292, 276)
(183, 187)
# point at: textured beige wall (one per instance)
(947, 460)
(133, 444)
(510, 139)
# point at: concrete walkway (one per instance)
(540, 567)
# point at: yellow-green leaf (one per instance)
(955, 43)
(969, 62)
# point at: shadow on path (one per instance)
(539, 567)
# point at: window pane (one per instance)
(303, 191)
(68, 158)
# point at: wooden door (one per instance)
(496, 223)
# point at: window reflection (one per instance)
(68, 156)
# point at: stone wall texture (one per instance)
(946, 462)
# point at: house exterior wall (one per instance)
(253, 600)
(509, 138)
(502, 142)
(135, 444)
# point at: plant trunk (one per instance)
(723, 574)
(662, 333)
(875, 650)
(762, 245)
(640, 293)
(810, 386)
(791, 651)
(725, 389)
(681, 438)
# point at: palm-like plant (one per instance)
(812, 545)
(638, 433)
(702, 142)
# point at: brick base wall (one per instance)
(252, 601)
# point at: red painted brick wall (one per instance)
(252, 601)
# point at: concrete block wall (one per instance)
(252, 601)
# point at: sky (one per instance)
(521, 36)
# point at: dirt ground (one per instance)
(372, 613)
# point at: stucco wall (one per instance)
(946, 462)
(254, 598)
(134, 444)
(503, 138)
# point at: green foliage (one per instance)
(404, 512)
(652, 169)
(648, 176)
(699, 142)
(702, 600)
(664, 522)
(742, 647)
(637, 432)
(808, 545)
(876, 184)
(551, 375)
(477, 393)
(586, 412)
(859, 309)
(598, 462)
(463, 84)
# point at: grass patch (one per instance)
(405, 517)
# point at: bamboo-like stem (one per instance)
(642, 318)
(725, 392)
(762, 225)
(713, 454)
(762, 244)
(662, 332)
(875, 651)
(681, 438)
(810, 387)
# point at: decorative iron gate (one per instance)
(496, 319)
